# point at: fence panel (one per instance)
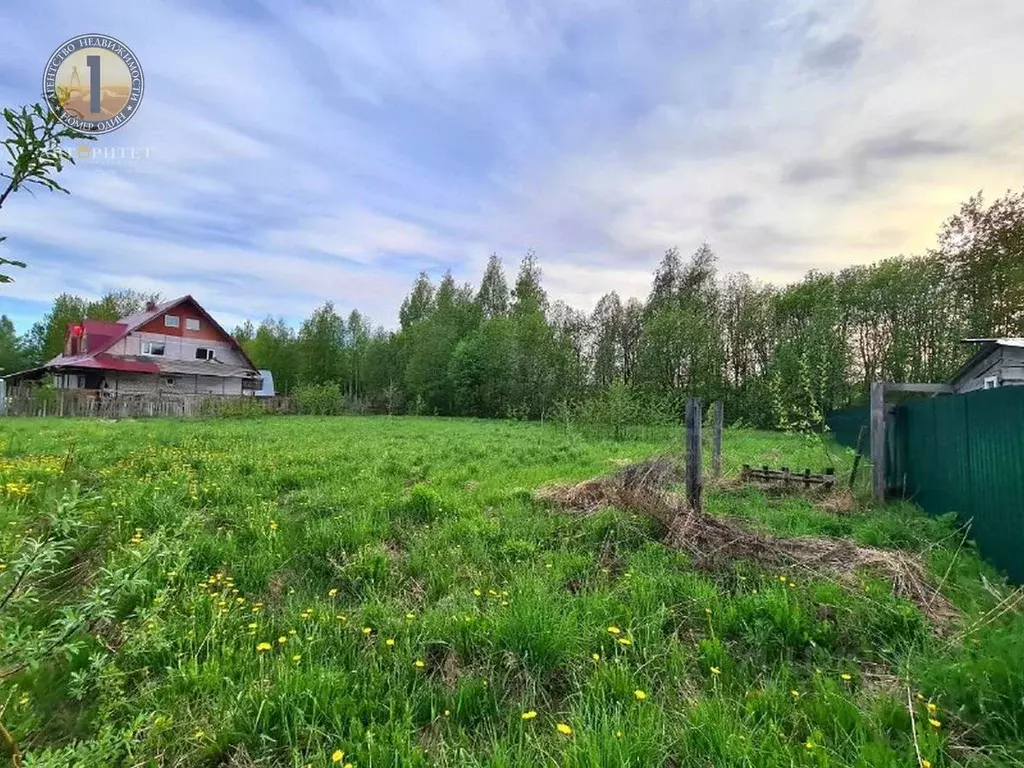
(962, 454)
(965, 454)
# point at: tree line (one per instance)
(778, 356)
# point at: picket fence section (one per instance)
(87, 403)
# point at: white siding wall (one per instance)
(178, 347)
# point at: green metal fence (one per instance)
(963, 454)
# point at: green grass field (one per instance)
(386, 592)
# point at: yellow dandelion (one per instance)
(926, 764)
(476, 593)
(614, 631)
(618, 734)
(292, 632)
(338, 756)
(332, 592)
(264, 647)
(410, 616)
(808, 744)
(419, 664)
(931, 707)
(297, 658)
(282, 639)
(595, 656)
(390, 642)
(625, 641)
(934, 723)
(795, 694)
(447, 712)
(640, 695)
(782, 579)
(564, 729)
(528, 715)
(845, 676)
(200, 733)
(716, 671)
(919, 697)
(367, 630)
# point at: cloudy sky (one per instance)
(305, 150)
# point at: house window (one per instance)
(171, 321)
(169, 381)
(192, 323)
(153, 348)
(991, 382)
(204, 354)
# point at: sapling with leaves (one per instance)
(35, 155)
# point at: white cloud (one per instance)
(329, 151)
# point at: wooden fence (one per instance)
(90, 403)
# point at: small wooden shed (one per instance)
(995, 363)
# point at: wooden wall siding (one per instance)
(1005, 362)
(206, 331)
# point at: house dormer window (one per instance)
(192, 323)
(171, 321)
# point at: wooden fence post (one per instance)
(716, 456)
(856, 457)
(878, 440)
(693, 455)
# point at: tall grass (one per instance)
(415, 603)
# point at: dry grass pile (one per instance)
(716, 541)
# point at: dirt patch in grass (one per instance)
(716, 542)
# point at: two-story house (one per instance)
(171, 347)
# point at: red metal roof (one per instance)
(105, 363)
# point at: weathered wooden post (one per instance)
(878, 440)
(694, 483)
(857, 455)
(716, 457)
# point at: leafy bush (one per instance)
(319, 399)
(232, 408)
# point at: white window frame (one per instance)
(192, 324)
(991, 382)
(148, 346)
(172, 321)
(210, 353)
